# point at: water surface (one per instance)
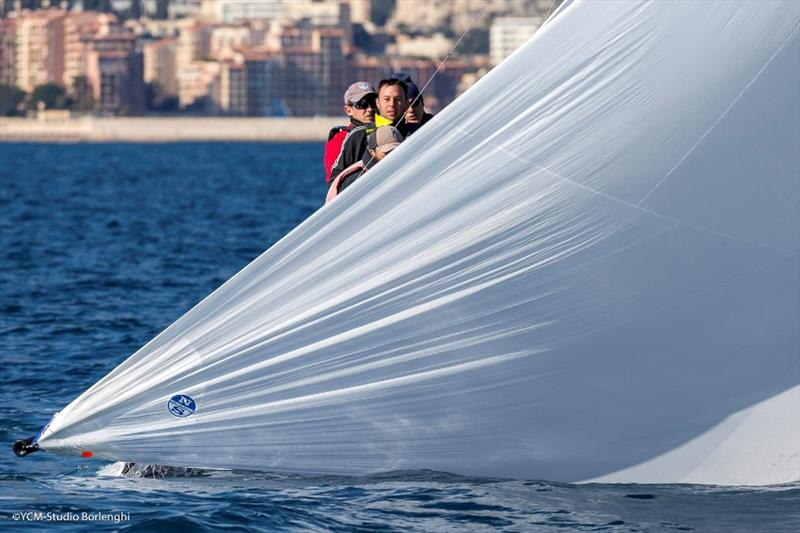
(104, 245)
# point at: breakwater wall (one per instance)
(167, 129)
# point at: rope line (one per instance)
(546, 17)
(435, 72)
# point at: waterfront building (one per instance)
(196, 84)
(149, 8)
(244, 86)
(232, 96)
(39, 47)
(313, 74)
(8, 40)
(115, 79)
(160, 68)
(79, 29)
(194, 42)
(115, 73)
(159, 29)
(434, 47)
(457, 15)
(259, 74)
(291, 36)
(426, 15)
(184, 8)
(230, 11)
(224, 41)
(361, 11)
(331, 13)
(121, 5)
(509, 33)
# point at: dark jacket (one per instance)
(353, 149)
(425, 118)
(355, 144)
(368, 163)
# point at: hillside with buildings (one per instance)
(274, 58)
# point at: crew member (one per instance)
(379, 143)
(359, 105)
(392, 103)
(416, 113)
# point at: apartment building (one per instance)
(8, 51)
(506, 34)
(79, 29)
(39, 48)
(114, 70)
(232, 99)
(160, 67)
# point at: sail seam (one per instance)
(680, 302)
(781, 217)
(719, 119)
(636, 206)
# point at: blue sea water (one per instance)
(104, 245)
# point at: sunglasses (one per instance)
(364, 103)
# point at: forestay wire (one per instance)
(446, 57)
(438, 68)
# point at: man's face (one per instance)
(415, 112)
(363, 110)
(392, 102)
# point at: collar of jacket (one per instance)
(403, 127)
(356, 123)
(382, 121)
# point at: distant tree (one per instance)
(30, 4)
(475, 41)
(52, 95)
(82, 97)
(381, 11)
(371, 43)
(158, 101)
(169, 104)
(10, 99)
(135, 11)
(361, 37)
(446, 30)
(200, 106)
(162, 12)
(97, 5)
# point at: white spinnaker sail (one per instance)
(584, 268)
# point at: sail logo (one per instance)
(181, 405)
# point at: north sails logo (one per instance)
(181, 405)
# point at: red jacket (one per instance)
(333, 147)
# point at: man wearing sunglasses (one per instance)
(359, 105)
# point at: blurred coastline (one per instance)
(246, 58)
(166, 129)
